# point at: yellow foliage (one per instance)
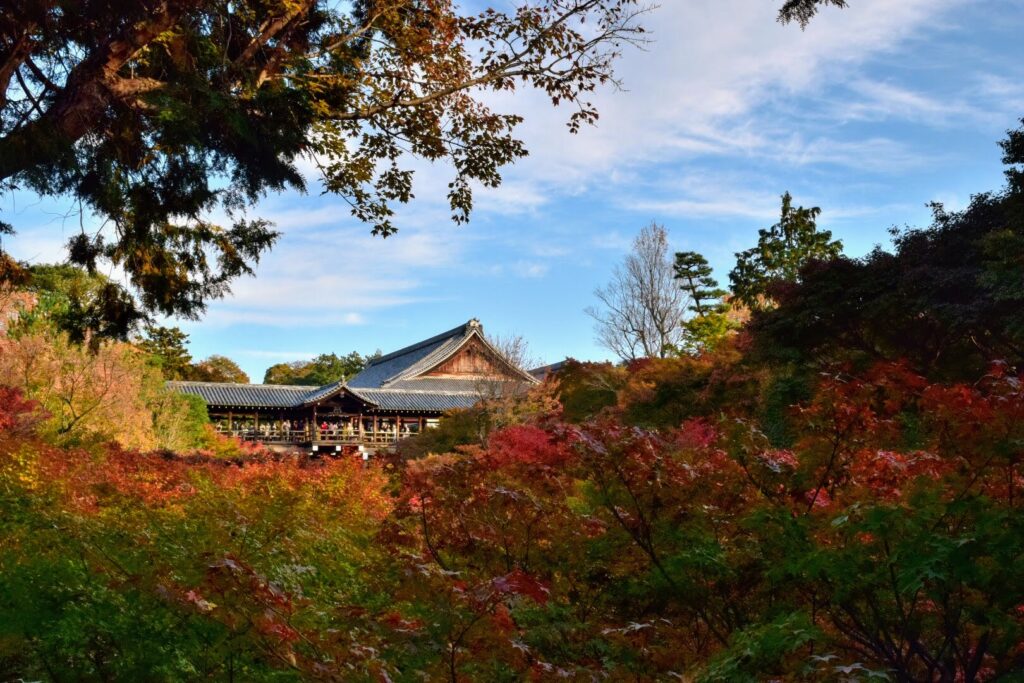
(89, 394)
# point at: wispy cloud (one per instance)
(612, 240)
(698, 90)
(884, 100)
(530, 269)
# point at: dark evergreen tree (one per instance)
(781, 251)
(948, 299)
(696, 278)
(710, 322)
(802, 11)
(168, 346)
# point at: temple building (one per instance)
(395, 396)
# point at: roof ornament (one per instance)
(474, 324)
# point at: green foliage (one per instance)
(663, 393)
(84, 305)
(154, 117)
(781, 251)
(710, 322)
(218, 368)
(457, 428)
(123, 566)
(780, 391)
(705, 332)
(180, 421)
(761, 650)
(585, 389)
(696, 278)
(326, 368)
(167, 347)
(802, 11)
(948, 299)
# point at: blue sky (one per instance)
(870, 113)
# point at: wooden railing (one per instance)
(312, 436)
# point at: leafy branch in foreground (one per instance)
(168, 119)
(802, 11)
(158, 115)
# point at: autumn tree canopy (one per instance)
(947, 299)
(157, 115)
(218, 368)
(822, 513)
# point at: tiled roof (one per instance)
(380, 370)
(545, 370)
(443, 384)
(245, 395)
(417, 401)
(320, 393)
(388, 372)
(387, 383)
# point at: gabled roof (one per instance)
(380, 370)
(410, 363)
(320, 393)
(391, 382)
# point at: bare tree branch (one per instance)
(642, 308)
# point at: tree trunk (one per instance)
(89, 89)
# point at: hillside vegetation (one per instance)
(833, 491)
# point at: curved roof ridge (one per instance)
(446, 351)
(461, 330)
(290, 387)
(417, 391)
(325, 392)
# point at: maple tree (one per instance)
(879, 542)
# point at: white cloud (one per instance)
(883, 101)
(527, 269)
(700, 88)
(612, 240)
(337, 275)
(878, 154)
(760, 208)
